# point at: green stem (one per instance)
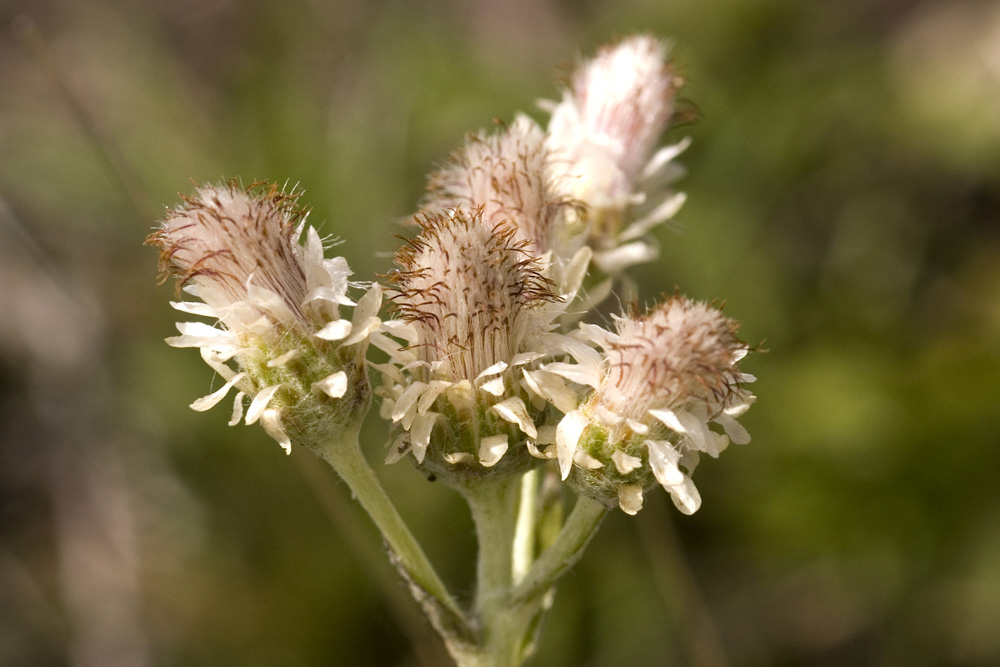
(580, 526)
(494, 511)
(526, 529)
(347, 460)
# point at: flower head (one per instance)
(663, 378)
(602, 135)
(475, 311)
(277, 301)
(510, 177)
(507, 174)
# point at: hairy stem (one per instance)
(494, 511)
(347, 460)
(580, 527)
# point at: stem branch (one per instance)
(580, 526)
(347, 460)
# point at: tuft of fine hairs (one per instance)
(473, 291)
(680, 353)
(225, 237)
(508, 174)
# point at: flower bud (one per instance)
(280, 340)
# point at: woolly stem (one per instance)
(346, 459)
(580, 527)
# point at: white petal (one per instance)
(663, 460)
(326, 293)
(199, 329)
(630, 499)
(494, 386)
(199, 334)
(585, 356)
(283, 359)
(597, 334)
(237, 409)
(735, 430)
(362, 331)
(338, 272)
(618, 259)
(336, 330)
(434, 389)
(716, 443)
(195, 308)
(669, 419)
(683, 422)
(401, 329)
(533, 449)
(216, 361)
(368, 305)
(553, 389)
(260, 402)
(637, 427)
(420, 434)
(391, 347)
(585, 460)
(333, 385)
(514, 411)
(663, 211)
(665, 155)
(459, 457)
(407, 400)
(525, 358)
(607, 417)
(573, 373)
(385, 408)
(686, 497)
(576, 270)
(568, 434)
(491, 449)
(207, 402)
(689, 460)
(498, 367)
(738, 409)
(271, 421)
(625, 462)
(313, 247)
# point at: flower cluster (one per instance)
(490, 369)
(277, 305)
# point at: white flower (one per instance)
(508, 175)
(663, 379)
(475, 314)
(602, 136)
(276, 301)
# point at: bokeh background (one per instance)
(844, 200)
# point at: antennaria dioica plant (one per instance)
(494, 379)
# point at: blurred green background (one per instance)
(844, 199)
